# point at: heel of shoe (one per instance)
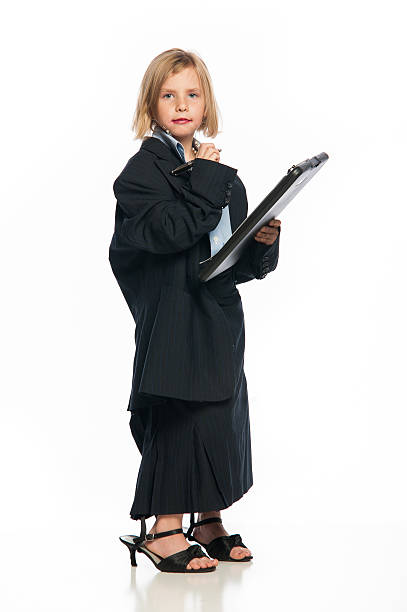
(129, 541)
(133, 556)
(132, 541)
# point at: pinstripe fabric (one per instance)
(223, 231)
(189, 401)
(184, 347)
(196, 456)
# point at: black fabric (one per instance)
(196, 456)
(220, 547)
(189, 401)
(183, 345)
(179, 560)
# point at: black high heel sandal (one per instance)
(220, 547)
(173, 563)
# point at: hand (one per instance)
(268, 233)
(207, 150)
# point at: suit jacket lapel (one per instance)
(166, 161)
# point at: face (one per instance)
(181, 96)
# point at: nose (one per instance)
(181, 105)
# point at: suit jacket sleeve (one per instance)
(257, 259)
(149, 217)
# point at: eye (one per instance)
(170, 94)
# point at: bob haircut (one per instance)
(160, 68)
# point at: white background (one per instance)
(325, 332)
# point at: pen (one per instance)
(185, 167)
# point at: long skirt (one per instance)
(196, 456)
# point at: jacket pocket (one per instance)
(190, 353)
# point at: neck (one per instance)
(186, 142)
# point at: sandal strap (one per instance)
(213, 519)
(161, 534)
(152, 536)
(139, 539)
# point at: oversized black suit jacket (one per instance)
(184, 347)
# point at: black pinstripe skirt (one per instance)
(196, 456)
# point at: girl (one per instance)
(189, 402)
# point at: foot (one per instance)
(206, 533)
(168, 545)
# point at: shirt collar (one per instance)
(169, 139)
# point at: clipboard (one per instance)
(290, 185)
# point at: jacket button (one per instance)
(229, 185)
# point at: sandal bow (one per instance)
(220, 547)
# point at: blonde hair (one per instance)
(168, 62)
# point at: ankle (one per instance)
(165, 522)
(210, 514)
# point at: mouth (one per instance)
(181, 120)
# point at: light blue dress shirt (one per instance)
(223, 230)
